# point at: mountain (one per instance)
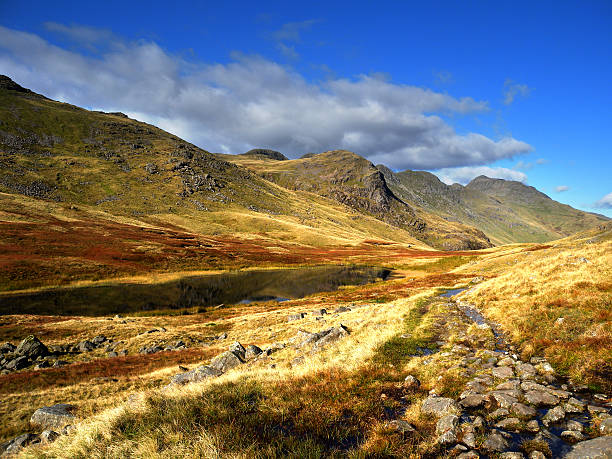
(506, 211)
(354, 181)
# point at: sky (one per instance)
(518, 90)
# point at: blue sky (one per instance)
(519, 90)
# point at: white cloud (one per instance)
(561, 188)
(605, 202)
(512, 90)
(291, 31)
(253, 102)
(464, 175)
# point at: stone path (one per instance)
(510, 408)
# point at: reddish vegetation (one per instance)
(537, 247)
(116, 367)
(58, 252)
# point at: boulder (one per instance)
(319, 312)
(511, 455)
(508, 424)
(469, 455)
(7, 348)
(53, 417)
(474, 401)
(439, 406)
(293, 317)
(32, 348)
(251, 352)
(331, 335)
(85, 346)
(198, 374)
(237, 349)
(226, 361)
(572, 436)
(17, 363)
(597, 448)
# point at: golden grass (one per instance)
(555, 299)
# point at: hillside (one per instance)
(71, 168)
(352, 180)
(506, 211)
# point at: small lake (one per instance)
(233, 287)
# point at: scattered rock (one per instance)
(508, 424)
(541, 398)
(474, 401)
(53, 417)
(341, 309)
(237, 349)
(523, 411)
(17, 443)
(572, 436)
(502, 372)
(446, 423)
(605, 428)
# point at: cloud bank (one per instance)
(561, 188)
(605, 202)
(252, 102)
(464, 175)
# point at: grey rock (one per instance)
(18, 363)
(504, 400)
(319, 312)
(448, 438)
(508, 424)
(532, 426)
(53, 417)
(474, 401)
(597, 448)
(597, 410)
(7, 348)
(252, 352)
(237, 349)
(226, 361)
(554, 415)
(574, 425)
(469, 455)
(334, 334)
(526, 370)
(446, 423)
(411, 383)
(294, 317)
(99, 340)
(537, 455)
(402, 426)
(49, 436)
(86, 346)
(573, 405)
(572, 436)
(60, 363)
(17, 443)
(439, 406)
(512, 384)
(523, 411)
(502, 372)
(495, 442)
(32, 348)
(605, 428)
(342, 309)
(499, 413)
(198, 374)
(541, 398)
(511, 455)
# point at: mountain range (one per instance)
(70, 163)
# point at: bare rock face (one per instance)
(53, 417)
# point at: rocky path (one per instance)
(510, 408)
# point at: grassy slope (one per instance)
(507, 212)
(353, 180)
(555, 299)
(64, 166)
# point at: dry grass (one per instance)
(557, 300)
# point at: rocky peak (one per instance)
(271, 154)
(7, 83)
